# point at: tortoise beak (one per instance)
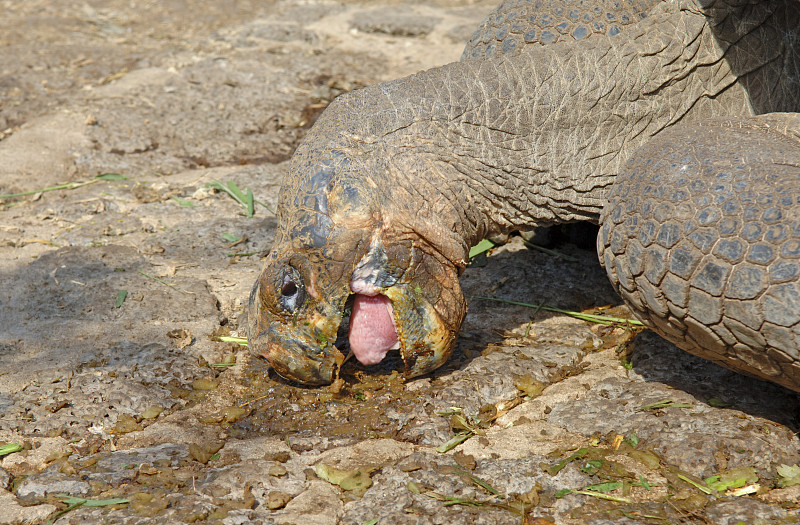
(426, 341)
(295, 359)
(299, 349)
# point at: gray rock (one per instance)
(395, 21)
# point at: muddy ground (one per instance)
(113, 291)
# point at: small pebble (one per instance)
(277, 499)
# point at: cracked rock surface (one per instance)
(115, 290)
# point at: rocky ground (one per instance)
(114, 290)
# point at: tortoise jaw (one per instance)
(426, 342)
(295, 360)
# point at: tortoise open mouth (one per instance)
(372, 330)
(312, 350)
(367, 329)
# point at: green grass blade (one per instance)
(482, 247)
(72, 500)
(9, 449)
(605, 487)
(234, 190)
(592, 318)
(241, 341)
(250, 201)
(265, 206)
(165, 283)
(68, 185)
(696, 485)
(231, 237)
(245, 200)
(182, 203)
(454, 442)
(479, 482)
(600, 495)
(111, 176)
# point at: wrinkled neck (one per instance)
(479, 147)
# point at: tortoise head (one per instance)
(345, 264)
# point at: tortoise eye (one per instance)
(289, 288)
(292, 290)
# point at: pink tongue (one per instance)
(372, 331)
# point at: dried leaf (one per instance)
(789, 475)
(732, 479)
(355, 481)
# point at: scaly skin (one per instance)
(514, 26)
(396, 181)
(702, 239)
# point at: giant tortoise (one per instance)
(672, 124)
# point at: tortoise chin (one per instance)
(296, 359)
